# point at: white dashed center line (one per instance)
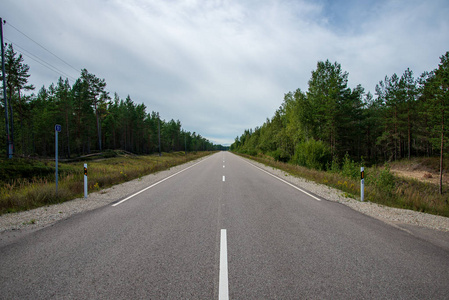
(223, 290)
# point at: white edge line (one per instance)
(223, 289)
(154, 184)
(292, 185)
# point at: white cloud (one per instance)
(223, 66)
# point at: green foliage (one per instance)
(279, 155)
(334, 166)
(312, 154)
(350, 168)
(404, 118)
(14, 169)
(385, 180)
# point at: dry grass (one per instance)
(27, 193)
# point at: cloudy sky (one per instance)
(223, 66)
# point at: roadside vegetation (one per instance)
(27, 184)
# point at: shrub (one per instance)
(334, 165)
(385, 180)
(280, 155)
(252, 152)
(349, 168)
(11, 169)
(109, 154)
(312, 154)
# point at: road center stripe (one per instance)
(223, 290)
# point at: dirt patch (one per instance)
(423, 176)
(423, 169)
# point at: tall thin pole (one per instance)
(441, 153)
(56, 159)
(159, 132)
(8, 138)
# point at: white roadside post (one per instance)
(85, 180)
(57, 130)
(362, 183)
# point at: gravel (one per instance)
(390, 215)
(48, 215)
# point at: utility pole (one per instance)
(9, 145)
(159, 132)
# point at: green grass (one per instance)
(27, 184)
(381, 186)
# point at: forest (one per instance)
(91, 120)
(330, 122)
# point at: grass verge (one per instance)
(20, 192)
(381, 186)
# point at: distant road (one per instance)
(223, 228)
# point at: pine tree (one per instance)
(439, 107)
(327, 88)
(17, 74)
(97, 96)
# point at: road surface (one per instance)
(223, 228)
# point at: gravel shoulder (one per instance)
(48, 215)
(417, 223)
(387, 214)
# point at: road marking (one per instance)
(223, 289)
(154, 184)
(223, 166)
(292, 185)
(223, 178)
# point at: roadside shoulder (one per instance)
(391, 215)
(47, 215)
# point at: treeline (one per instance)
(319, 127)
(91, 120)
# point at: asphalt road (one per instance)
(223, 227)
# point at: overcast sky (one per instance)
(224, 66)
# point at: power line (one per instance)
(41, 61)
(49, 67)
(9, 24)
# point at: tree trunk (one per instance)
(68, 134)
(11, 125)
(409, 136)
(98, 127)
(395, 134)
(20, 111)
